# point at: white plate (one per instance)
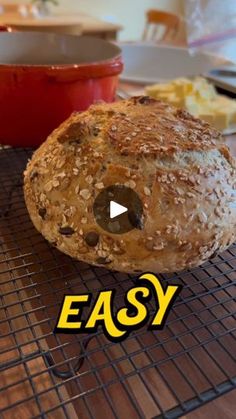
(148, 63)
(227, 83)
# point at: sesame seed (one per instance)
(99, 185)
(147, 191)
(55, 183)
(130, 184)
(102, 253)
(179, 200)
(60, 163)
(89, 179)
(179, 191)
(192, 179)
(61, 175)
(168, 229)
(48, 187)
(77, 188)
(171, 177)
(217, 212)
(85, 193)
(202, 217)
(159, 246)
(190, 195)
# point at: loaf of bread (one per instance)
(177, 164)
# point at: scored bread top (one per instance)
(143, 126)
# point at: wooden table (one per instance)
(80, 23)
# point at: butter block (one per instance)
(172, 99)
(205, 90)
(208, 117)
(232, 118)
(221, 120)
(183, 87)
(159, 88)
(198, 97)
(192, 105)
(226, 105)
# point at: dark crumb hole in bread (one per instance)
(96, 131)
(33, 175)
(66, 231)
(144, 100)
(42, 213)
(53, 244)
(103, 261)
(119, 252)
(214, 255)
(135, 220)
(74, 142)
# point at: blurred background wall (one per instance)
(129, 13)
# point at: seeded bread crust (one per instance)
(177, 164)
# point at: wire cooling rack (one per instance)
(150, 375)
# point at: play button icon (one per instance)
(118, 209)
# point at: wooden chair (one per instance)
(156, 18)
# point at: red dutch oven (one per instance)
(44, 77)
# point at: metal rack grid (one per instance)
(151, 374)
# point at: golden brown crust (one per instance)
(151, 127)
(178, 165)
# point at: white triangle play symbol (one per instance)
(116, 209)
